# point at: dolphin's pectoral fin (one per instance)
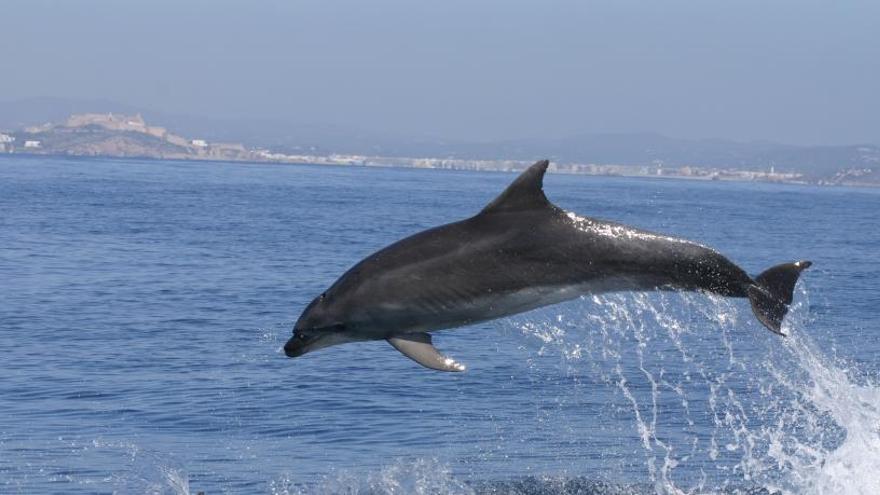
(418, 347)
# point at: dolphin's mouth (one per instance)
(304, 341)
(297, 345)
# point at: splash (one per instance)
(145, 471)
(829, 404)
(715, 401)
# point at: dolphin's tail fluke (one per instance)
(772, 292)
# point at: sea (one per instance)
(144, 306)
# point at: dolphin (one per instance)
(519, 253)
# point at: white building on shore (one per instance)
(6, 143)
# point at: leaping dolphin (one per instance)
(519, 253)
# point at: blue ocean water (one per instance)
(144, 305)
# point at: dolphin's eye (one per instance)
(323, 296)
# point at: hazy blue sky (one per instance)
(792, 71)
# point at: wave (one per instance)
(431, 477)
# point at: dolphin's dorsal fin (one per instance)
(418, 347)
(525, 193)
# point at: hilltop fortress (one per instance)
(114, 134)
(124, 123)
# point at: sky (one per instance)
(797, 72)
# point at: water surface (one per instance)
(144, 305)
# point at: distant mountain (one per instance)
(815, 162)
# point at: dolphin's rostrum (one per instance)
(521, 252)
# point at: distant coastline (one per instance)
(113, 135)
